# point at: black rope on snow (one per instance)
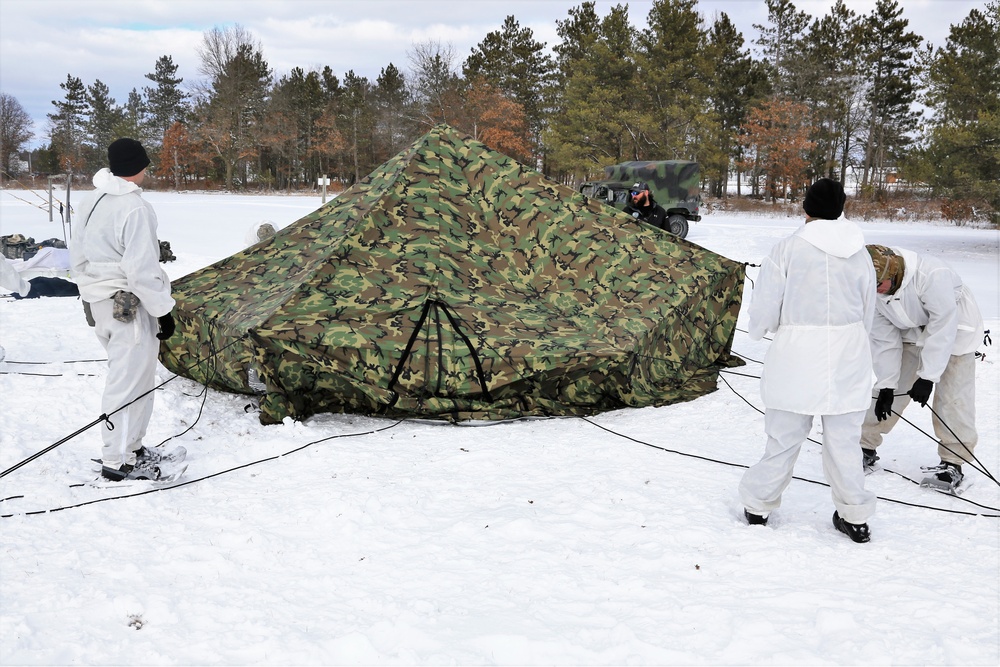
(981, 468)
(971, 502)
(209, 378)
(796, 477)
(48, 375)
(192, 481)
(744, 375)
(51, 363)
(107, 416)
(52, 446)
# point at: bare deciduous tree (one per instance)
(233, 98)
(433, 79)
(15, 131)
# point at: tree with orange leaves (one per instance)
(496, 120)
(179, 154)
(776, 138)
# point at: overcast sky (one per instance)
(119, 41)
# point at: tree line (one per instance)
(835, 95)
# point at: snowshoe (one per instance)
(945, 477)
(858, 532)
(161, 473)
(130, 472)
(171, 472)
(157, 455)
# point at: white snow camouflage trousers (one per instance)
(954, 402)
(765, 481)
(131, 349)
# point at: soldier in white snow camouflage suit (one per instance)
(816, 293)
(115, 252)
(924, 338)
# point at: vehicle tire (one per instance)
(677, 225)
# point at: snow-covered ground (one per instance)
(351, 540)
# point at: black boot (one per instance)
(755, 519)
(869, 457)
(858, 532)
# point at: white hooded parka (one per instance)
(932, 309)
(816, 293)
(115, 246)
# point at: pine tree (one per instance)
(297, 102)
(392, 102)
(102, 124)
(284, 129)
(135, 121)
(834, 90)
(513, 61)
(233, 98)
(166, 101)
(595, 124)
(329, 142)
(962, 158)
(674, 71)
(356, 109)
(736, 83)
(780, 44)
(577, 34)
(890, 63)
(66, 130)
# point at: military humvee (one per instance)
(675, 185)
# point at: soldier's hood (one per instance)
(840, 238)
(107, 182)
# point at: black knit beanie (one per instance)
(127, 157)
(825, 199)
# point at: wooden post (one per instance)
(68, 225)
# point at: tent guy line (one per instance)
(107, 417)
(981, 467)
(49, 363)
(805, 479)
(397, 423)
(192, 481)
(213, 354)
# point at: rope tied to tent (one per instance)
(106, 417)
(408, 350)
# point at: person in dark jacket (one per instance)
(644, 208)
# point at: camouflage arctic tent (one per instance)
(454, 283)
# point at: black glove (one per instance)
(921, 391)
(166, 323)
(883, 404)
